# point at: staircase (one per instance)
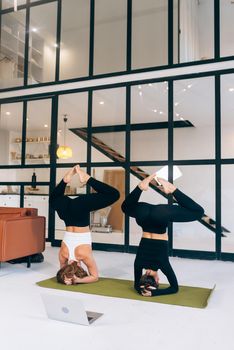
(137, 172)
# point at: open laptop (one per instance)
(68, 309)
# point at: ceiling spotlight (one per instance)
(160, 112)
(8, 113)
(139, 87)
(181, 118)
(155, 110)
(189, 86)
(176, 103)
(231, 89)
(177, 114)
(101, 102)
(46, 125)
(150, 84)
(59, 131)
(55, 45)
(184, 90)
(140, 93)
(34, 29)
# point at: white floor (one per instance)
(126, 324)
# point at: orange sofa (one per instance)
(22, 233)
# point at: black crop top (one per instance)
(75, 212)
(155, 218)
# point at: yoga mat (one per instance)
(187, 296)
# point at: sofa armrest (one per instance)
(21, 236)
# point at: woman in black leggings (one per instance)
(77, 245)
(152, 252)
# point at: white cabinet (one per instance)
(9, 200)
(39, 202)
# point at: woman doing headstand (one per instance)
(76, 244)
(152, 252)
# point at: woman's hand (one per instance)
(144, 184)
(68, 176)
(154, 274)
(82, 175)
(166, 186)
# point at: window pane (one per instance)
(194, 235)
(10, 3)
(194, 113)
(109, 110)
(149, 33)
(12, 49)
(9, 196)
(25, 175)
(110, 36)
(11, 133)
(226, 28)
(227, 116)
(151, 196)
(108, 223)
(42, 43)
(74, 50)
(227, 208)
(149, 110)
(75, 108)
(196, 23)
(38, 132)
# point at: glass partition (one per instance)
(194, 119)
(74, 48)
(149, 111)
(109, 110)
(227, 203)
(10, 3)
(227, 116)
(196, 30)
(11, 133)
(108, 223)
(226, 28)
(75, 108)
(194, 235)
(38, 132)
(149, 33)
(12, 46)
(42, 43)
(110, 36)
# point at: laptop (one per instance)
(68, 309)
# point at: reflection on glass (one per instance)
(227, 113)
(196, 24)
(38, 132)
(10, 3)
(73, 189)
(149, 110)
(110, 36)
(12, 46)
(226, 28)
(75, 106)
(108, 223)
(149, 33)
(74, 51)
(38, 200)
(227, 202)
(150, 196)
(42, 43)
(194, 119)
(109, 109)
(11, 116)
(194, 235)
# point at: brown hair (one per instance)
(69, 271)
(147, 281)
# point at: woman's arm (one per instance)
(130, 203)
(173, 288)
(92, 269)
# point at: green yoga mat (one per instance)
(110, 287)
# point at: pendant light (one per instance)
(64, 152)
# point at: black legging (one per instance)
(76, 212)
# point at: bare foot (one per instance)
(82, 175)
(144, 184)
(166, 186)
(68, 176)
